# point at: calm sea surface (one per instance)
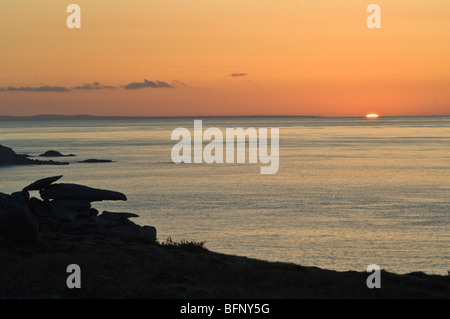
(349, 191)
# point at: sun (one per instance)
(372, 116)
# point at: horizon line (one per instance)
(56, 116)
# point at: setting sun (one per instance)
(372, 116)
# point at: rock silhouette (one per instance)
(65, 208)
(42, 183)
(79, 192)
(18, 224)
(93, 160)
(9, 157)
(53, 153)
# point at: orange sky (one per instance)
(294, 57)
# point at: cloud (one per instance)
(44, 88)
(236, 74)
(147, 84)
(179, 83)
(92, 86)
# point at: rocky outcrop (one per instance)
(93, 160)
(42, 183)
(53, 153)
(18, 224)
(65, 208)
(9, 157)
(79, 192)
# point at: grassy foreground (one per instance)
(112, 268)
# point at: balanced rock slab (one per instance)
(42, 183)
(79, 192)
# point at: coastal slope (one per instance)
(113, 268)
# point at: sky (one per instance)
(225, 57)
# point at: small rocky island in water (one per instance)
(93, 160)
(8, 157)
(53, 153)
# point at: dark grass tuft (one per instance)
(184, 244)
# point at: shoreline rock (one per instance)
(42, 183)
(79, 192)
(18, 225)
(65, 208)
(9, 157)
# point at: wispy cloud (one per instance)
(237, 74)
(93, 86)
(147, 84)
(176, 82)
(44, 88)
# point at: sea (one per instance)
(349, 192)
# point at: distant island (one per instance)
(93, 160)
(53, 153)
(51, 117)
(84, 117)
(87, 117)
(9, 157)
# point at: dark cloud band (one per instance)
(90, 86)
(147, 84)
(93, 86)
(236, 74)
(44, 88)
